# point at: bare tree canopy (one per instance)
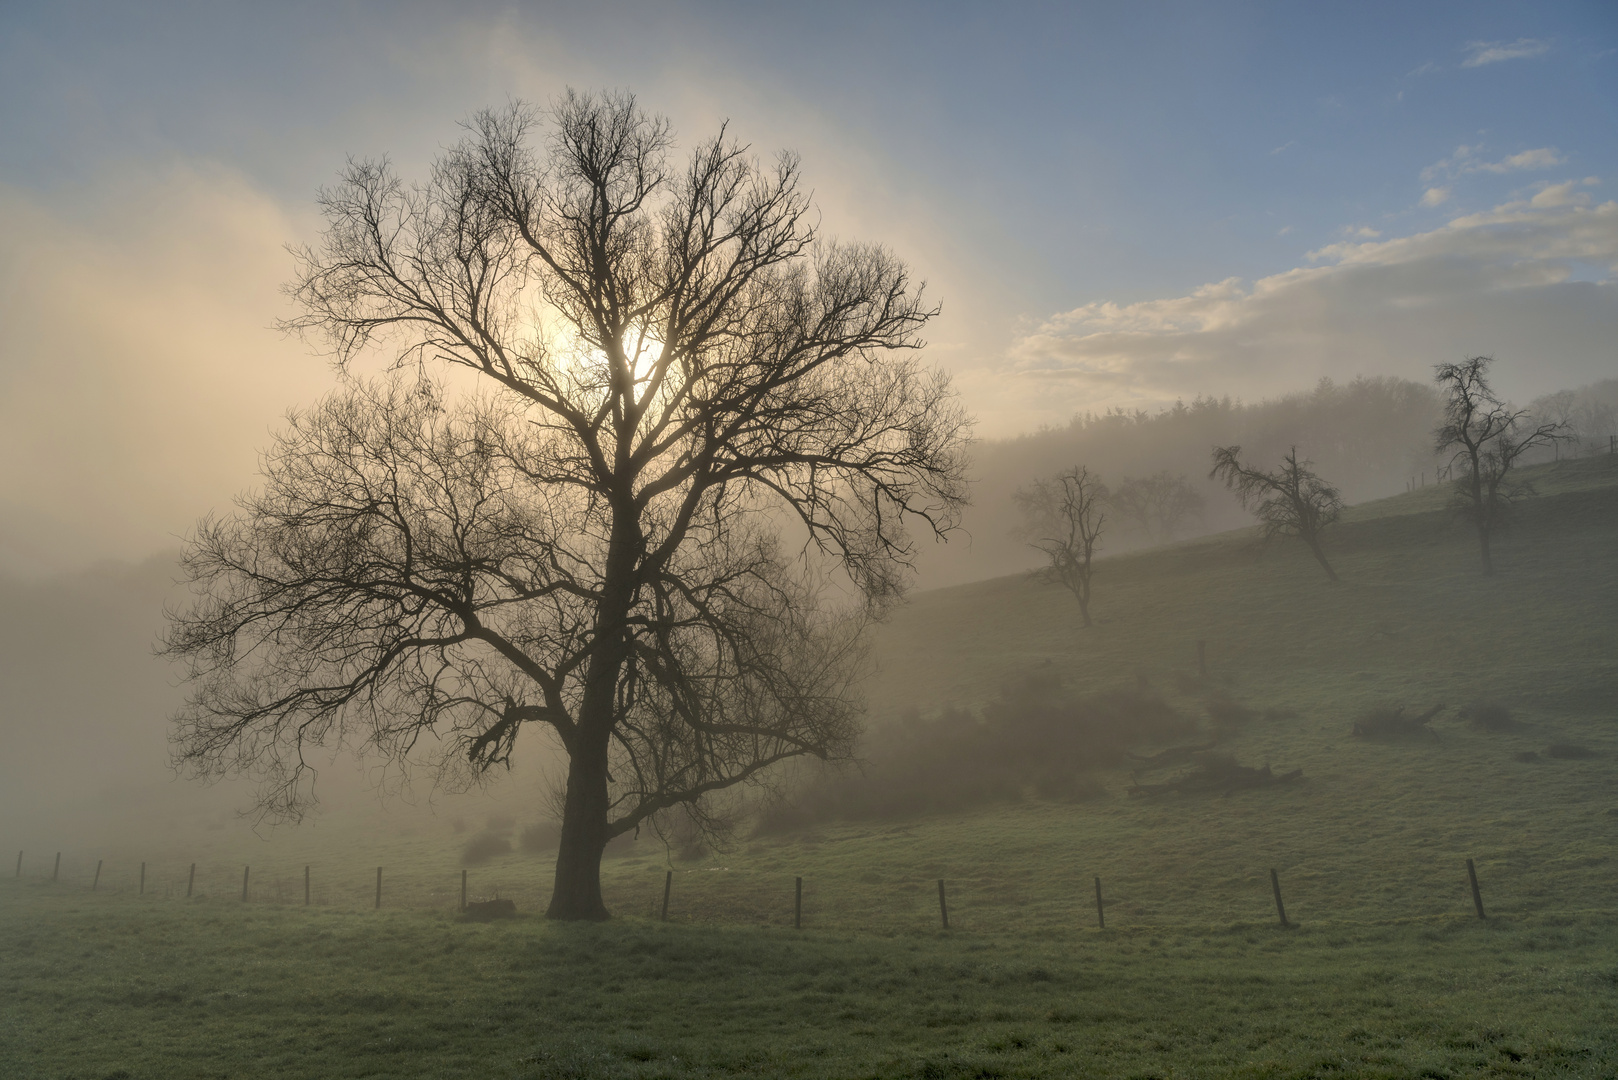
(676, 370)
(1485, 438)
(1290, 501)
(1160, 504)
(1063, 518)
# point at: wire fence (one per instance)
(717, 895)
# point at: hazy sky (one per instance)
(1117, 204)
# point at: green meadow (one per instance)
(1387, 971)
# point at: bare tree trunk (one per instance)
(577, 892)
(1483, 546)
(1320, 557)
(1083, 593)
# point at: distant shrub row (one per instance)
(1034, 737)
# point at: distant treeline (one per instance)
(1367, 437)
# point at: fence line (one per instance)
(796, 896)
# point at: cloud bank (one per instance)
(1531, 281)
(1480, 53)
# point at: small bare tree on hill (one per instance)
(673, 365)
(1160, 503)
(1290, 501)
(1486, 438)
(1063, 518)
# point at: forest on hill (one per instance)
(1371, 437)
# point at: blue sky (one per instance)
(1117, 204)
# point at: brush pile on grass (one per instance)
(1390, 722)
(1216, 774)
(1035, 738)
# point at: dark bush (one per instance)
(1034, 735)
(483, 847)
(1570, 752)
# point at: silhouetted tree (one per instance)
(675, 365)
(1160, 503)
(1291, 501)
(1063, 518)
(1485, 437)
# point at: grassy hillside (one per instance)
(1389, 975)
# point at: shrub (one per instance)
(1570, 752)
(1034, 735)
(483, 847)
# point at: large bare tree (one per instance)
(1063, 518)
(699, 424)
(1290, 501)
(1486, 438)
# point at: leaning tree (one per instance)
(1486, 438)
(1290, 501)
(1063, 518)
(695, 447)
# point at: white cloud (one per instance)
(1465, 161)
(1492, 52)
(1435, 196)
(1543, 158)
(1504, 282)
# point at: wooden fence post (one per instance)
(1477, 897)
(1101, 916)
(797, 907)
(379, 888)
(57, 871)
(943, 908)
(19, 864)
(244, 884)
(142, 890)
(463, 890)
(1275, 884)
(97, 880)
(305, 884)
(190, 881)
(668, 883)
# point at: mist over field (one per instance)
(648, 542)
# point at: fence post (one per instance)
(1275, 883)
(463, 890)
(668, 883)
(797, 907)
(57, 871)
(305, 884)
(142, 890)
(379, 888)
(97, 880)
(19, 864)
(1101, 916)
(943, 908)
(1477, 897)
(190, 880)
(244, 884)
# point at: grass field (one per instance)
(1388, 974)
